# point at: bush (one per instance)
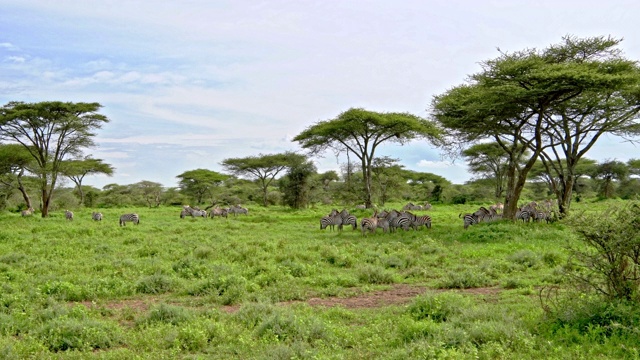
(612, 257)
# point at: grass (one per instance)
(237, 288)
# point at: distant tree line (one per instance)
(524, 125)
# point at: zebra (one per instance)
(498, 207)
(361, 207)
(237, 209)
(27, 212)
(218, 212)
(348, 219)
(426, 206)
(469, 219)
(188, 210)
(524, 214)
(383, 223)
(419, 221)
(68, 215)
(97, 216)
(134, 218)
(331, 221)
(403, 220)
(369, 224)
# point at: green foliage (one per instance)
(272, 285)
(611, 259)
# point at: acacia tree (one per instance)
(51, 132)
(610, 107)
(263, 168)
(199, 182)
(607, 172)
(513, 99)
(490, 161)
(14, 162)
(77, 169)
(360, 132)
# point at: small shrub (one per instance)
(465, 280)
(526, 258)
(372, 274)
(72, 334)
(168, 314)
(437, 307)
(154, 284)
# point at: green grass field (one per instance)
(242, 287)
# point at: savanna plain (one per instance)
(272, 285)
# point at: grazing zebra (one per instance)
(134, 218)
(218, 212)
(469, 219)
(369, 224)
(383, 223)
(360, 207)
(347, 219)
(237, 209)
(411, 206)
(331, 221)
(402, 220)
(68, 215)
(97, 216)
(523, 214)
(419, 221)
(188, 210)
(426, 206)
(498, 207)
(27, 212)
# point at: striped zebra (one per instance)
(383, 223)
(27, 212)
(331, 221)
(134, 218)
(403, 220)
(97, 216)
(237, 209)
(369, 224)
(222, 212)
(68, 215)
(469, 219)
(193, 212)
(419, 221)
(523, 214)
(348, 219)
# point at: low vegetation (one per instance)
(270, 285)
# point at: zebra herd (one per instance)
(216, 211)
(388, 220)
(531, 211)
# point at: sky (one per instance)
(187, 84)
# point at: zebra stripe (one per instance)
(97, 216)
(134, 218)
(188, 210)
(68, 215)
(419, 221)
(403, 220)
(369, 224)
(524, 215)
(384, 224)
(469, 219)
(331, 221)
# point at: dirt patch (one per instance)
(397, 295)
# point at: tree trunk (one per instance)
(23, 191)
(46, 198)
(565, 193)
(366, 172)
